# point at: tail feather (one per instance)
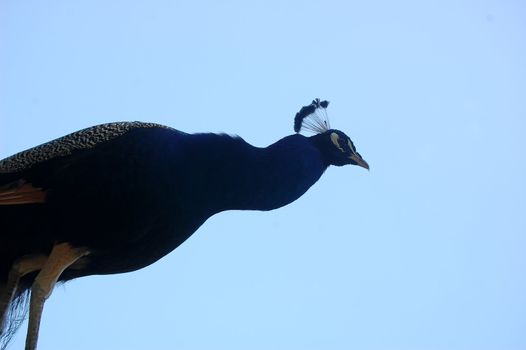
(16, 315)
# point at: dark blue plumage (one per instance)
(128, 200)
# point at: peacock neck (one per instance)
(267, 178)
(251, 178)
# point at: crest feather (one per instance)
(313, 117)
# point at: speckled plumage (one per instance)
(82, 139)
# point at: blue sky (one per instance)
(425, 251)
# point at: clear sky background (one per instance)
(425, 251)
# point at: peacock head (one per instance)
(335, 145)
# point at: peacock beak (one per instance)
(359, 161)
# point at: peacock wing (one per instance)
(17, 185)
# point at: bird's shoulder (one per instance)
(84, 139)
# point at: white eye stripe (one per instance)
(350, 146)
(335, 139)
